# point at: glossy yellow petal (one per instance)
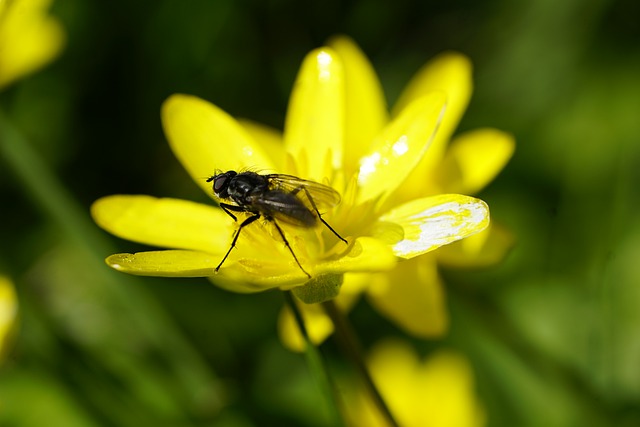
(431, 222)
(269, 139)
(473, 160)
(314, 128)
(448, 73)
(317, 323)
(394, 361)
(28, 38)
(412, 296)
(205, 138)
(8, 314)
(170, 223)
(446, 393)
(181, 224)
(365, 255)
(170, 263)
(393, 365)
(261, 260)
(486, 248)
(438, 391)
(400, 147)
(366, 109)
(264, 269)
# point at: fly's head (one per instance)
(221, 183)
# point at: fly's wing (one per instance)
(323, 196)
(284, 206)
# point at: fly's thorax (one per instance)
(244, 185)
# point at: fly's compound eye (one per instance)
(220, 183)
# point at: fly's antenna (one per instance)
(210, 178)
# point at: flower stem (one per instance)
(351, 346)
(316, 364)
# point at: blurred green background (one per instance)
(553, 333)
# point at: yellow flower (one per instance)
(8, 314)
(437, 391)
(336, 133)
(411, 294)
(29, 38)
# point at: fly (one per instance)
(273, 197)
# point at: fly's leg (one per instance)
(235, 237)
(315, 208)
(286, 242)
(228, 208)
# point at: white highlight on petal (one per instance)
(401, 146)
(443, 224)
(247, 151)
(324, 64)
(369, 164)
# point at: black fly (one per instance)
(273, 197)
